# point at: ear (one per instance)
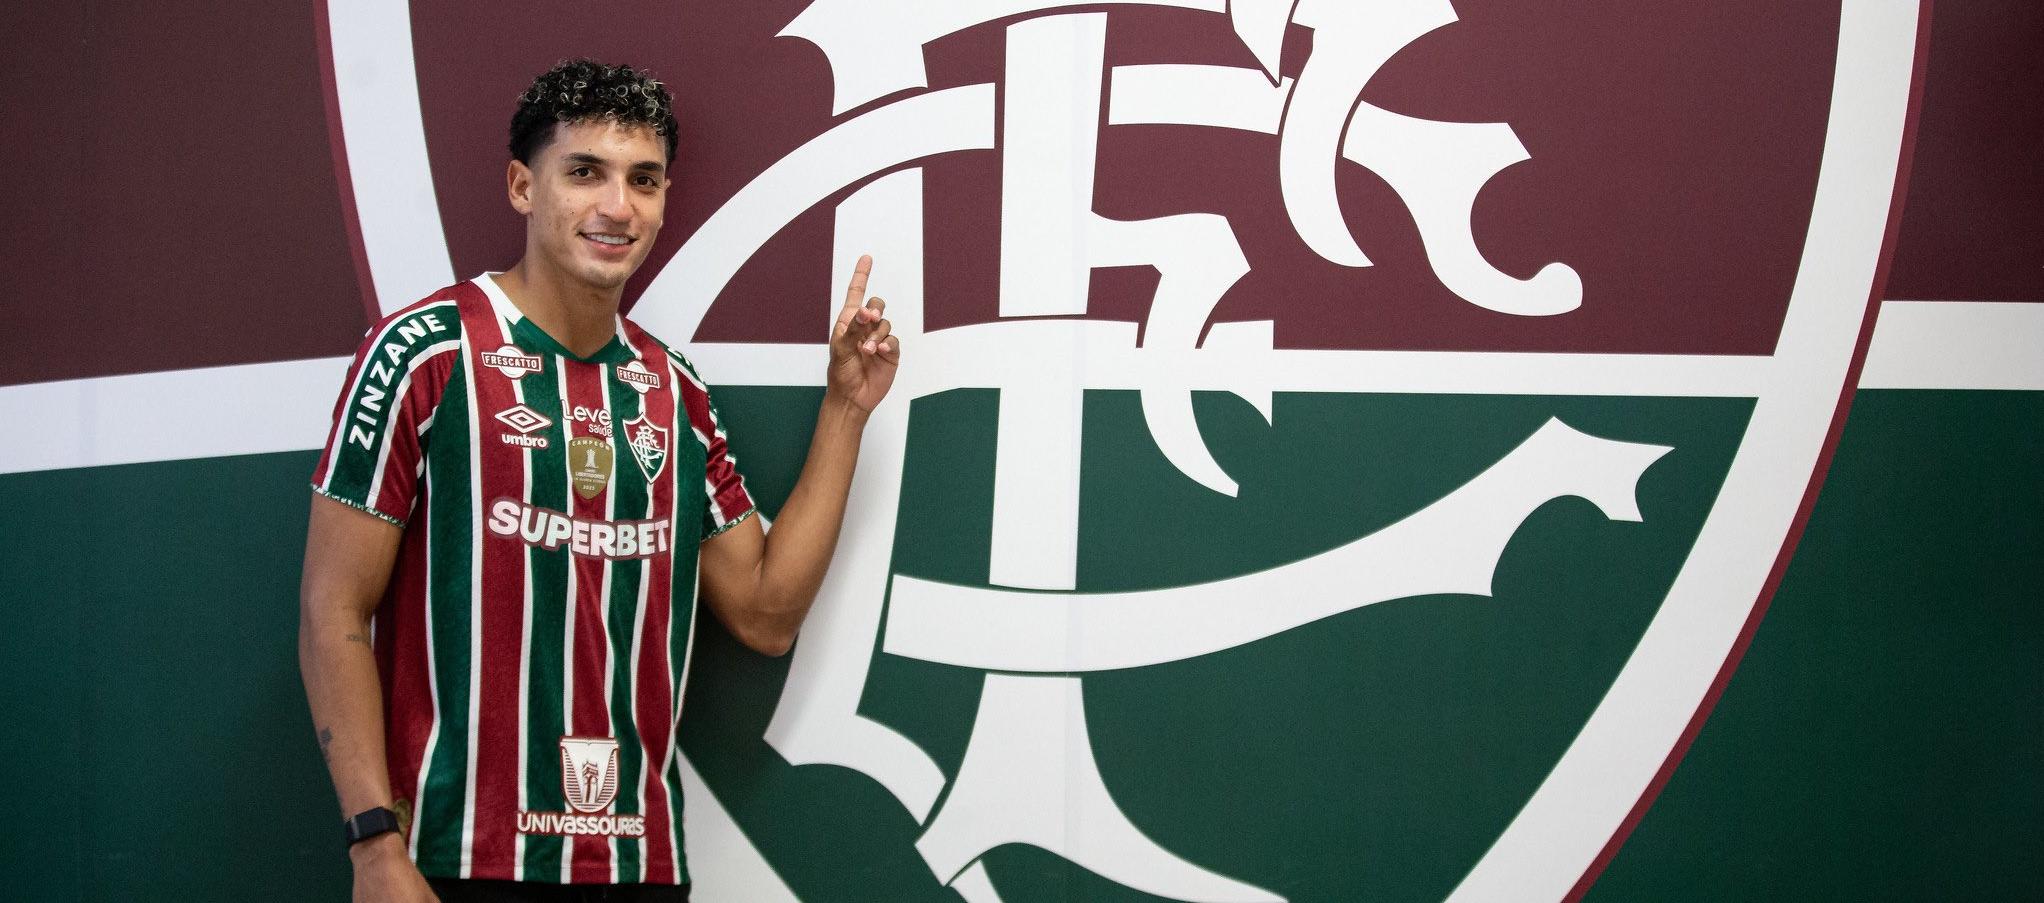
(518, 185)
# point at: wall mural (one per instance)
(1338, 448)
(1344, 450)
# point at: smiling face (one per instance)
(593, 199)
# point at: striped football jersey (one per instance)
(533, 641)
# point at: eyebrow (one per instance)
(582, 159)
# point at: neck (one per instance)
(581, 317)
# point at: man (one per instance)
(523, 489)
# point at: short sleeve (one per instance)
(726, 503)
(376, 448)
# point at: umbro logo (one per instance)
(526, 421)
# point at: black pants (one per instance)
(456, 890)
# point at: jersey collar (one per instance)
(528, 334)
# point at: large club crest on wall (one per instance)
(1492, 332)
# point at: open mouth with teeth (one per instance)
(611, 247)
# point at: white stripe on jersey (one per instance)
(572, 594)
(507, 312)
(524, 660)
(475, 611)
(347, 399)
(709, 486)
(355, 386)
(677, 363)
(603, 596)
(680, 689)
(432, 690)
(674, 801)
(397, 395)
(638, 643)
(647, 769)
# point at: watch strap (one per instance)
(369, 823)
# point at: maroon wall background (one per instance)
(175, 203)
(1973, 224)
(171, 199)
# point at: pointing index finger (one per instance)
(855, 295)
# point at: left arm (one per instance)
(761, 584)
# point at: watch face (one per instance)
(379, 820)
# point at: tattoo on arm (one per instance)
(326, 740)
(359, 638)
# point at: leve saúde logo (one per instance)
(1457, 386)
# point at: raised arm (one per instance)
(348, 559)
(759, 583)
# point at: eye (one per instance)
(645, 181)
(581, 172)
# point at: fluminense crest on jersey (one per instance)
(1338, 447)
(648, 442)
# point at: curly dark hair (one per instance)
(586, 89)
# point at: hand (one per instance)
(863, 356)
(385, 873)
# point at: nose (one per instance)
(616, 203)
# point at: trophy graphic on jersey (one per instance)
(589, 772)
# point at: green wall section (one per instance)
(1880, 741)
(1884, 737)
(1374, 754)
(155, 725)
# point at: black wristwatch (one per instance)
(370, 823)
